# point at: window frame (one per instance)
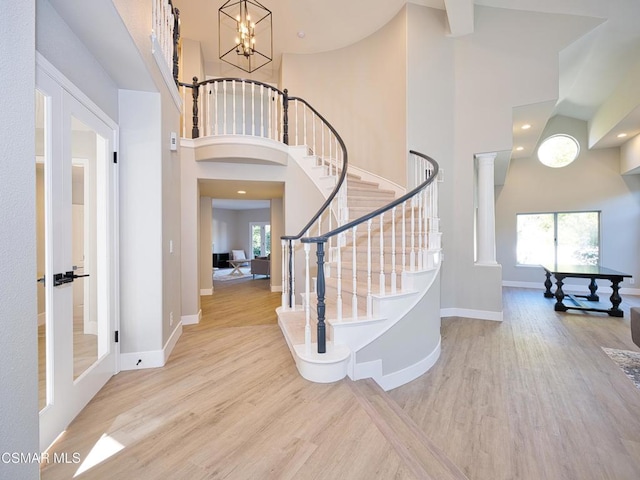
(555, 233)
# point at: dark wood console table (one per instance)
(592, 272)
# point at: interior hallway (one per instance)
(533, 397)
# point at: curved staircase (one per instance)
(373, 295)
(382, 296)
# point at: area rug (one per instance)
(223, 274)
(628, 361)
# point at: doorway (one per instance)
(76, 212)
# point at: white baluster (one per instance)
(216, 99)
(262, 111)
(270, 114)
(420, 226)
(233, 102)
(224, 108)
(244, 114)
(296, 119)
(253, 109)
(314, 133)
(412, 253)
(304, 124)
(322, 140)
(369, 297)
(394, 274)
(382, 275)
(339, 265)
(331, 172)
(307, 300)
(404, 236)
(354, 266)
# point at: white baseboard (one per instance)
(404, 376)
(153, 358)
(276, 288)
(468, 313)
(191, 319)
(534, 285)
(206, 291)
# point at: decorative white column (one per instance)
(486, 233)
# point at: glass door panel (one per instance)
(578, 238)
(260, 239)
(84, 246)
(40, 249)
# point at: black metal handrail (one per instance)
(322, 239)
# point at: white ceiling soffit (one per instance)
(229, 204)
(228, 189)
(100, 28)
(459, 16)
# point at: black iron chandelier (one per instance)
(245, 35)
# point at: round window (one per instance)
(558, 151)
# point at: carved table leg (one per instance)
(615, 298)
(593, 288)
(548, 284)
(559, 306)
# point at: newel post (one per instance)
(320, 287)
(195, 90)
(285, 117)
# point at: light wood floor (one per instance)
(533, 397)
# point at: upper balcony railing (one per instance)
(165, 37)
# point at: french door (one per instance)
(77, 257)
(260, 239)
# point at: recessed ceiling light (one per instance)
(301, 34)
(241, 192)
(526, 126)
(519, 149)
(622, 135)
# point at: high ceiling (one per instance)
(591, 68)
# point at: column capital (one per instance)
(486, 157)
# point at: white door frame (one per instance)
(67, 396)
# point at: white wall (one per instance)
(361, 91)
(511, 59)
(630, 156)
(18, 343)
(59, 44)
(137, 17)
(205, 234)
(141, 245)
(224, 230)
(591, 182)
